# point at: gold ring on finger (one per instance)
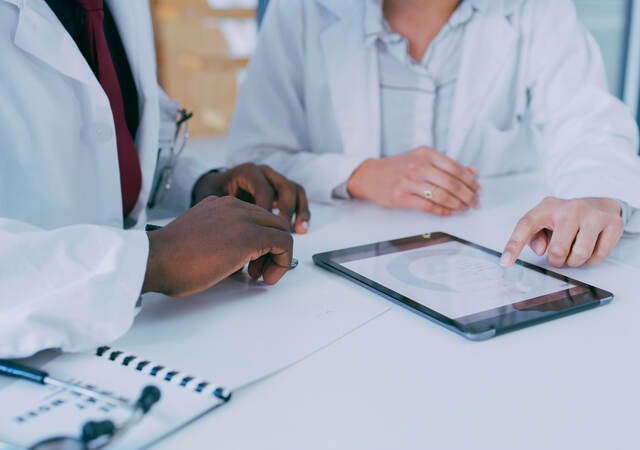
(428, 193)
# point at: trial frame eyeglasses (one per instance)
(163, 179)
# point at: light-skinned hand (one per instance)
(401, 181)
(572, 232)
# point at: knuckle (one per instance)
(457, 170)
(617, 224)
(458, 188)
(226, 201)
(453, 202)
(210, 199)
(284, 222)
(555, 262)
(404, 184)
(457, 204)
(449, 184)
(398, 190)
(567, 213)
(428, 207)
(411, 172)
(526, 222)
(578, 208)
(512, 245)
(557, 251)
(580, 254)
(602, 253)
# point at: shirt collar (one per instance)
(374, 23)
(376, 27)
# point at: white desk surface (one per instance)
(402, 382)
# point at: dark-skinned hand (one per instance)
(212, 240)
(262, 186)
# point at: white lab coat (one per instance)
(531, 91)
(70, 275)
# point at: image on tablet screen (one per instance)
(454, 279)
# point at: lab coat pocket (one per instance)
(504, 151)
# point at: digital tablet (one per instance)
(461, 285)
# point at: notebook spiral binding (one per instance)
(166, 374)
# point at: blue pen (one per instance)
(22, 372)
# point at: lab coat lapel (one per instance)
(489, 41)
(353, 80)
(40, 34)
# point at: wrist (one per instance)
(358, 183)
(155, 264)
(606, 204)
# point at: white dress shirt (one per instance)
(416, 98)
(530, 94)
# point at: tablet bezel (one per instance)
(477, 326)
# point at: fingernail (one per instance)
(305, 225)
(505, 259)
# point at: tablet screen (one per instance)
(455, 279)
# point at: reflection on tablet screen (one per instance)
(454, 279)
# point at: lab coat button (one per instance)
(103, 132)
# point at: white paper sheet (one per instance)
(234, 334)
(242, 330)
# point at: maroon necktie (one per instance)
(99, 58)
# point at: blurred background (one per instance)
(205, 45)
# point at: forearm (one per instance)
(605, 166)
(589, 139)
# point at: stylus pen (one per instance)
(149, 227)
(22, 372)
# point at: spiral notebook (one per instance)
(197, 351)
(42, 412)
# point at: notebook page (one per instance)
(39, 412)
